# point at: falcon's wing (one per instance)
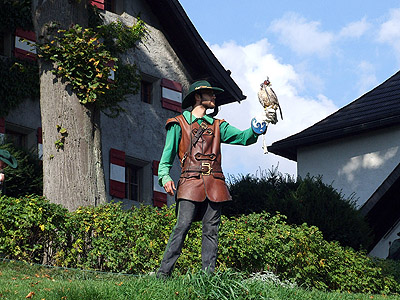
(273, 99)
(261, 97)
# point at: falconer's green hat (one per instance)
(8, 158)
(196, 87)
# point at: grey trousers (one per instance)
(210, 213)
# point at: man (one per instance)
(201, 189)
(6, 159)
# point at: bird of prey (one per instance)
(268, 98)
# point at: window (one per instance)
(109, 5)
(130, 178)
(2, 46)
(133, 182)
(137, 179)
(20, 136)
(17, 138)
(146, 88)
(5, 44)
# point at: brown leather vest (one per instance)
(201, 175)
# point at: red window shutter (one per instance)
(39, 135)
(155, 167)
(117, 173)
(159, 195)
(159, 199)
(171, 95)
(25, 34)
(22, 50)
(2, 126)
(173, 85)
(40, 142)
(98, 3)
(117, 157)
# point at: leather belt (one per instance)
(201, 156)
(205, 169)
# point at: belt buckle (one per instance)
(203, 125)
(208, 172)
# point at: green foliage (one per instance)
(12, 92)
(108, 238)
(18, 279)
(306, 200)
(127, 81)
(15, 14)
(27, 178)
(86, 57)
(118, 38)
(82, 60)
(389, 267)
(27, 227)
(63, 134)
(259, 242)
(83, 57)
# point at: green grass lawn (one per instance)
(23, 281)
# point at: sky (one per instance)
(318, 55)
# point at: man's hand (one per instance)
(2, 177)
(169, 187)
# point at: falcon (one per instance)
(268, 98)
(270, 103)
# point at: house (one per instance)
(171, 58)
(357, 150)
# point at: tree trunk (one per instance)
(72, 175)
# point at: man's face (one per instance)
(208, 99)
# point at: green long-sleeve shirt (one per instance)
(229, 135)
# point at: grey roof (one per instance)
(376, 109)
(196, 56)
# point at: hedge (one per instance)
(305, 200)
(108, 238)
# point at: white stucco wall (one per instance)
(382, 248)
(357, 164)
(140, 131)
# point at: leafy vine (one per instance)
(63, 134)
(86, 57)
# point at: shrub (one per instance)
(389, 267)
(258, 242)
(27, 178)
(108, 238)
(306, 200)
(28, 228)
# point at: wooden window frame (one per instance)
(146, 91)
(129, 190)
